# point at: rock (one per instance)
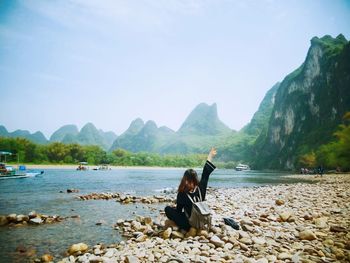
(167, 233)
(271, 258)
(169, 223)
(141, 238)
(308, 217)
(284, 256)
(321, 222)
(192, 232)
(338, 229)
(217, 241)
(148, 221)
(80, 247)
(36, 221)
(307, 235)
(32, 214)
(120, 221)
(12, 217)
(328, 242)
(21, 218)
(72, 190)
(246, 222)
(248, 228)
(262, 260)
(3, 220)
(46, 258)
(243, 234)
(246, 241)
(285, 215)
(177, 234)
(132, 259)
(136, 225)
(110, 253)
(228, 246)
(258, 240)
(279, 202)
(204, 233)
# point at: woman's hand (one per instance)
(211, 154)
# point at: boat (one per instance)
(9, 172)
(242, 167)
(102, 167)
(83, 166)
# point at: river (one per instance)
(47, 194)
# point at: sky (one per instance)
(111, 61)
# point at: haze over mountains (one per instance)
(296, 116)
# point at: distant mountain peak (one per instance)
(204, 120)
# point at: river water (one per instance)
(47, 194)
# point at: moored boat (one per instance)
(242, 167)
(9, 172)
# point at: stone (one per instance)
(36, 221)
(141, 238)
(262, 260)
(248, 228)
(217, 241)
(243, 234)
(258, 240)
(246, 241)
(72, 190)
(79, 247)
(169, 223)
(279, 202)
(12, 217)
(109, 253)
(167, 233)
(271, 258)
(204, 233)
(337, 229)
(285, 215)
(46, 258)
(21, 218)
(177, 234)
(307, 235)
(191, 233)
(32, 214)
(3, 220)
(284, 256)
(148, 221)
(321, 222)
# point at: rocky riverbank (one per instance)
(284, 223)
(127, 199)
(32, 218)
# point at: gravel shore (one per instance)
(303, 222)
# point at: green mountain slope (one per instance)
(59, 135)
(309, 105)
(37, 137)
(201, 129)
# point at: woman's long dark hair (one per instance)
(189, 181)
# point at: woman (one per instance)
(190, 185)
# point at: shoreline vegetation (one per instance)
(299, 222)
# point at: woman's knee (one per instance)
(168, 210)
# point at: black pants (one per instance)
(179, 218)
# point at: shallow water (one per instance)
(42, 194)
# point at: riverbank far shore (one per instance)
(300, 222)
(91, 167)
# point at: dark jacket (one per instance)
(182, 200)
